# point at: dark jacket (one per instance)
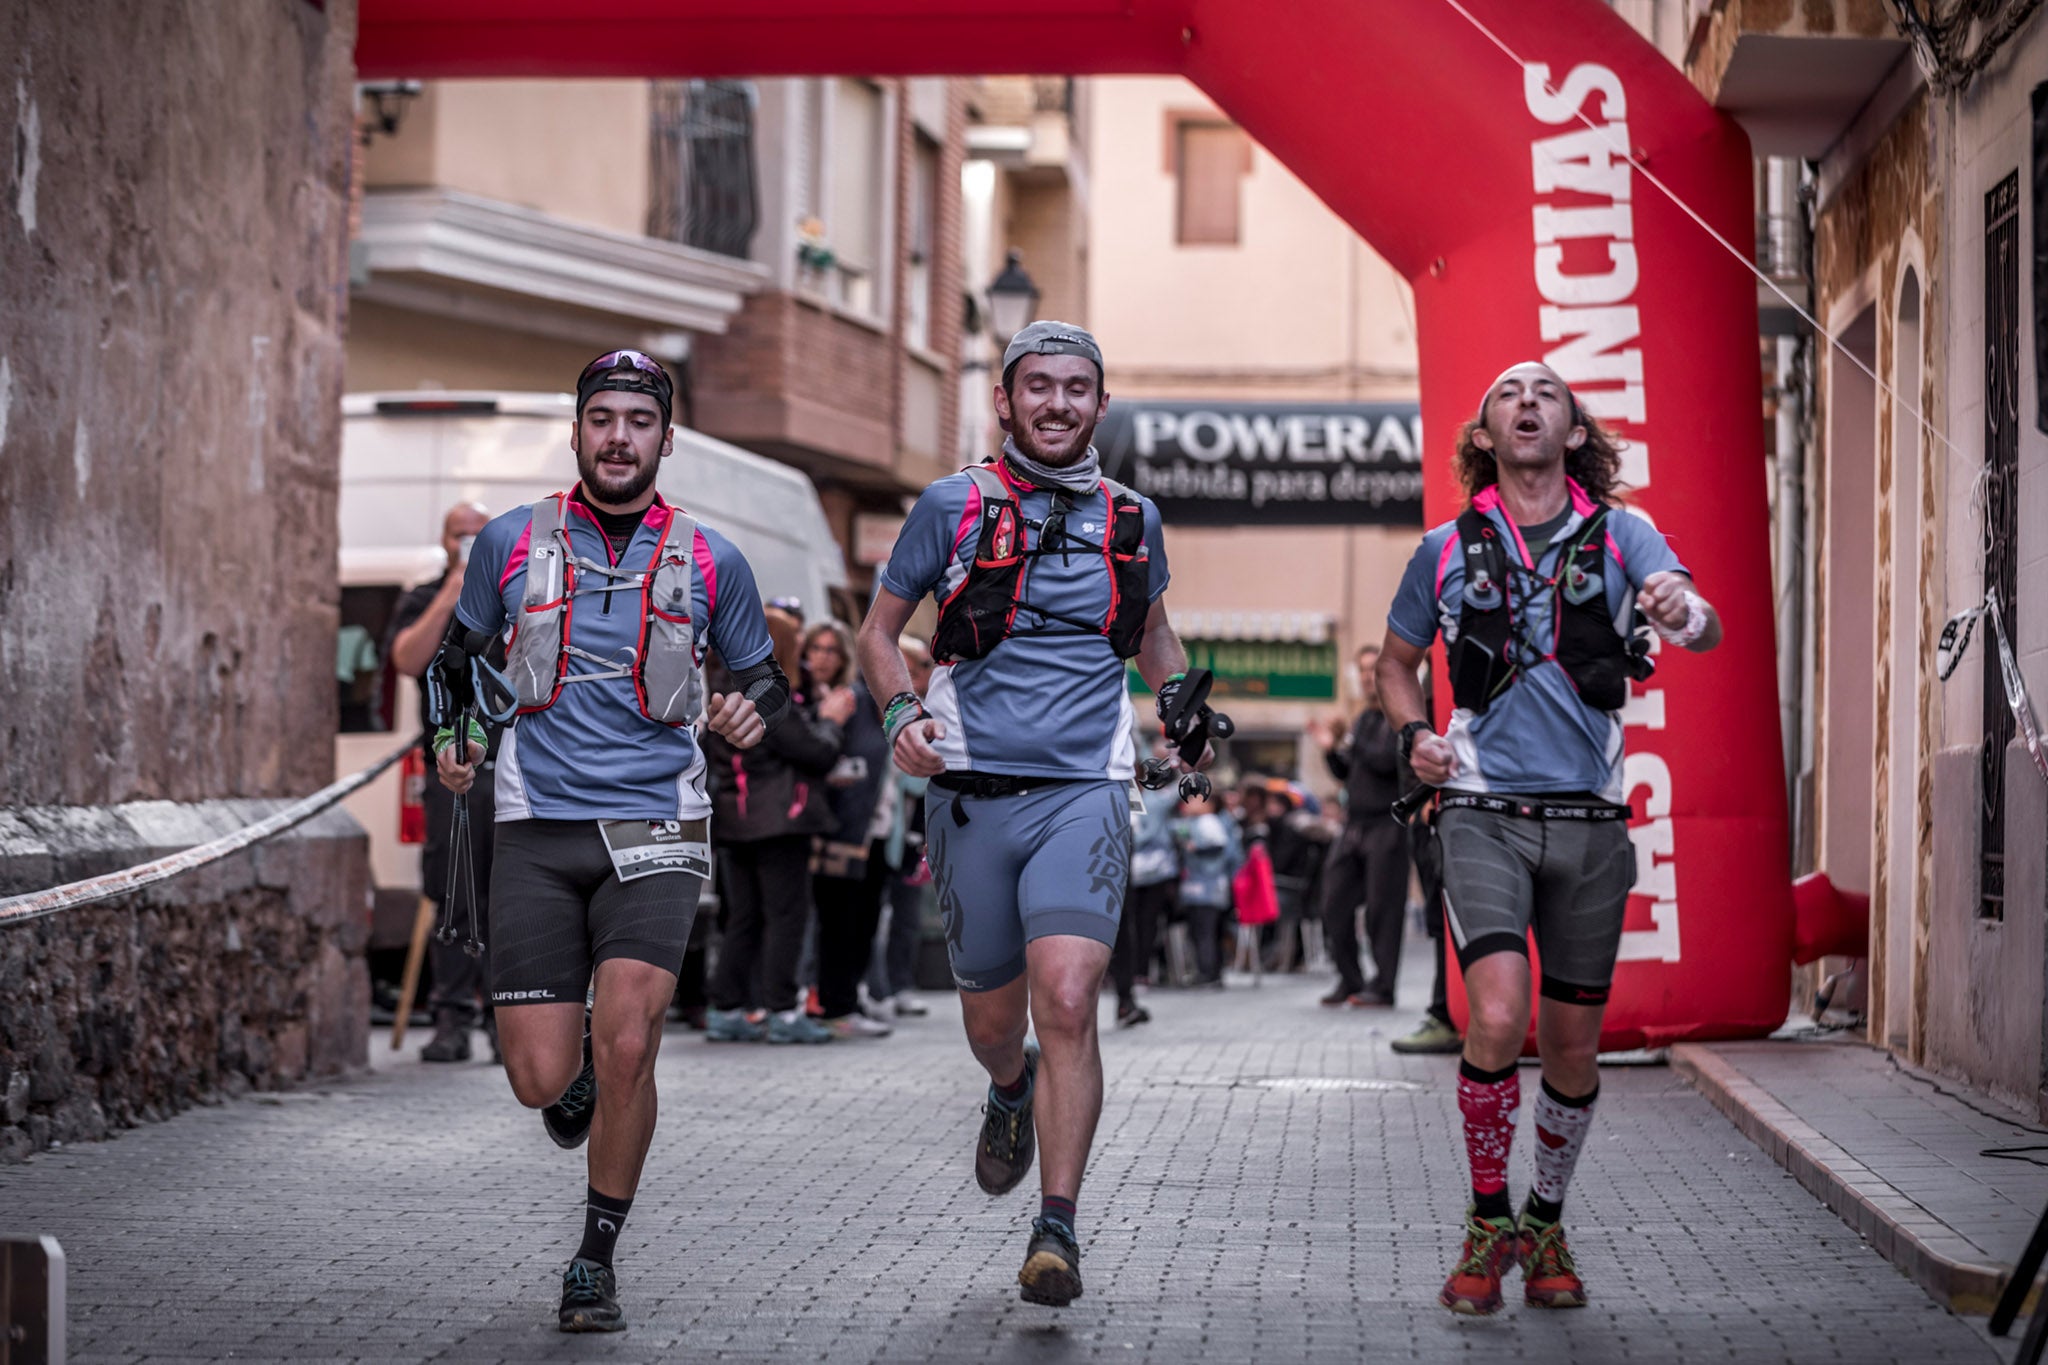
(853, 805)
(778, 786)
(1297, 846)
(1369, 765)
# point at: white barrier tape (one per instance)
(37, 904)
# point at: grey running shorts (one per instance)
(1053, 860)
(1567, 879)
(558, 909)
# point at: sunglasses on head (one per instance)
(611, 360)
(789, 604)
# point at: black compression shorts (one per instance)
(558, 909)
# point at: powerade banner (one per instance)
(1269, 464)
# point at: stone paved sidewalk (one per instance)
(1945, 1183)
(1270, 1184)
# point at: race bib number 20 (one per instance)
(641, 848)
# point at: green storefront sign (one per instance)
(1263, 670)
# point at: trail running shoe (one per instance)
(733, 1026)
(1052, 1266)
(1550, 1277)
(590, 1299)
(1474, 1285)
(1434, 1036)
(1002, 1154)
(568, 1118)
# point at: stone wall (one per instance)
(172, 293)
(173, 187)
(245, 974)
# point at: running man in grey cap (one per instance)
(1048, 579)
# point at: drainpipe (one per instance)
(1790, 257)
(1791, 553)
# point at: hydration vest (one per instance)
(664, 667)
(1597, 651)
(981, 612)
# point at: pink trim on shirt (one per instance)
(969, 515)
(1615, 550)
(707, 569)
(515, 561)
(1443, 563)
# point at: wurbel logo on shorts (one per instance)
(497, 996)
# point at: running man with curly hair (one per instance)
(1537, 588)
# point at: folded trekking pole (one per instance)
(459, 684)
(1190, 726)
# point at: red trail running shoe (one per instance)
(1474, 1285)
(1550, 1278)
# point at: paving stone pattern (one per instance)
(1931, 1141)
(1248, 1201)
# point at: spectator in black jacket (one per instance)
(767, 804)
(1369, 860)
(852, 865)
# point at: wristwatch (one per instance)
(1408, 734)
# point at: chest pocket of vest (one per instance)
(535, 657)
(1001, 546)
(1130, 576)
(671, 688)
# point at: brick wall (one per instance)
(795, 378)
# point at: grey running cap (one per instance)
(1052, 338)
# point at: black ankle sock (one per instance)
(1053, 1209)
(1015, 1090)
(1543, 1210)
(1492, 1205)
(603, 1216)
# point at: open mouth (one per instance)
(1528, 426)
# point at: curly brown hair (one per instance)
(1595, 466)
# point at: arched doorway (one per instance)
(1524, 231)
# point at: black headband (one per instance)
(626, 377)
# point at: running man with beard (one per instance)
(611, 595)
(1536, 588)
(1048, 579)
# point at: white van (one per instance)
(406, 458)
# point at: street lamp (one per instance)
(1012, 299)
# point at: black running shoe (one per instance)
(1002, 1154)
(590, 1299)
(568, 1118)
(1052, 1266)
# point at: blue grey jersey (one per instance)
(593, 755)
(1537, 736)
(1037, 705)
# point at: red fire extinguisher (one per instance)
(412, 802)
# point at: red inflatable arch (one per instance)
(1521, 235)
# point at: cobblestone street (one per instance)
(1270, 1183)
